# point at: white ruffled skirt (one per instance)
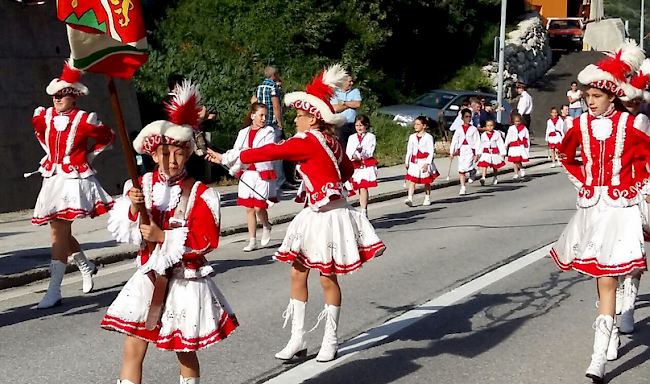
(196, 314)
(69, 199)
(336, 240)
(602, 241)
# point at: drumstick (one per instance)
(449, 171)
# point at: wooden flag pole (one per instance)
(159, 281)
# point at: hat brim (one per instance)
(58, 85)
(163, 128)
(313, 105)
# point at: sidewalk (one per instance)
(25, 249)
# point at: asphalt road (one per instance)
(530, 326)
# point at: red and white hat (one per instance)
(638, 85)
(610, 74)
(68, 83)
(316, 98)
(184, 118)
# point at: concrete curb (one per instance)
(42, 273)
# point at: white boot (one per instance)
(125, 382)
(409, 201)
(603, 327)
(252, 245)
(330, 344)
(522, 173)
(364, 212)
(630, 289)
(266, 236)
(189, 380)
(53, 295)
(427, 201)
(614, 343)
(87, 269)
(462, 191)
(297, 346)
(495, 181)
(619, 295)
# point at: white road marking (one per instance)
(312, 368)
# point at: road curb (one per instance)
(42, 273)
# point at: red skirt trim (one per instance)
(176, 341)
(71, 214)
(517, 159)
(363, 184)
(554, 146)
(252, 202)
(485, 164)
(371, 162)
(331, 268)
(592, 268)
(422, 180)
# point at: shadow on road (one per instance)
(403, 218)
(454, 331)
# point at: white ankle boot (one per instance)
(125, 382)
(53, 295)
(266, 236)
(619, 295)
(87, 269)
(614, 343)
(630, 289)
(189, 380)
(330, 344)
(603, 327)
(252, 245)
(297, 346)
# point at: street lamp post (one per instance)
(502, 43)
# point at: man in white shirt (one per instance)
(575, 96)
(525, 105)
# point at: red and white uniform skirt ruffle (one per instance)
(69, 199)
(338, 239)
(491, 157)
(196, 313)
(517, 152)
(264, 186)
(365, 174)
(602, 241)
(554, 140)
(415, 173)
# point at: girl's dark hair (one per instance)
(564, 105)
(574, 82)
(553, 109)
(516, 115)
(174, 80)
(425, 120)
(325, 128)
(490, 121)
(465, 111)
(248, 120)
(364, 120)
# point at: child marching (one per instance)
(492, 150)
(70, 190)
(361, 150)
(567, 120)
(420, 168)
(257, 181)
(554, 135)
(328, 235)
(518, 144)
(465, 144)
(185, 222)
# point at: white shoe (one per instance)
(631, 287)
(552, 165)
(409, 201)
(53, 295)
(87, 269)
(515, 177)
(189, 380)
(614, 343)
(252, 245)
(462, 191)
(266, 236)
(522, 173)
(482, 181)
(495, 181)
(125, 382)
(558, 163)
(603, 327)
(470, 180)
(619, 295)
(330, 344)
(297, 346)
(427, 201)
(364, 212)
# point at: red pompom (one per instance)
(70, 74)
(640, 80)
(319, 89)
(615, 66)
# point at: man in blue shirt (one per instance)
(347, 101)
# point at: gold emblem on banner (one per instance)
(125, 7)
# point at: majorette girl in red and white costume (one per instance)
(328, 235)
(518, 144)
(604, 238)
(492, 150)
(185, 221)
(70, 190)
(257, 181)
(554, 135)
(361, 150)
(465, 144)
(420, 168)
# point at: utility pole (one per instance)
(642, 23)
(502, 45)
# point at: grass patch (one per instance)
(470, 78)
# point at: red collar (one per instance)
(555, 119)
(520, 127)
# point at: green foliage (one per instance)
(470, 77)
(630, 10)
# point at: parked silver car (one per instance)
(448, 101)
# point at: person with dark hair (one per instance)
(492, 150)
(575, 100)
(518, 144)
(525, 104)
(566, 117)
(604, 238)
(465, 145)
(420, 168)
(458, 121)
(554, 135)
(361, 150)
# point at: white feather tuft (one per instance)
(185, 91)
(645, 67)
(633, 55)
(334, 76)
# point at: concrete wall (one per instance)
(33, 49)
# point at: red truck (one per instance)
(565, 33)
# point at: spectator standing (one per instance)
(347, 101)
(476, 107)
(268, 93)
(575, 96)
(525, 105)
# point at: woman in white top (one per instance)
(575, 96)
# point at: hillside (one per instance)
(630, 10)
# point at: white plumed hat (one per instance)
(610, 74)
